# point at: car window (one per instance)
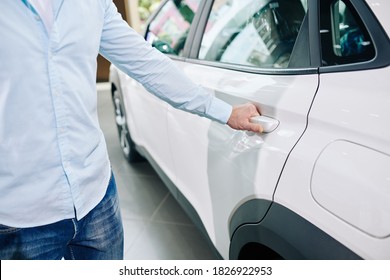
(344, 38)
(255, 33)
(169, 29)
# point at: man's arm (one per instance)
(126, 49)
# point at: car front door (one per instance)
(244, 51)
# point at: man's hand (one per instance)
(241, 114)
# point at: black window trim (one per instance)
(254, 70)
(193, 29)
(314, 33)
(379, 37)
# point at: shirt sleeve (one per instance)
(128, 51)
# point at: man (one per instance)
(57, 193)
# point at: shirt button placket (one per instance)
(57, 102)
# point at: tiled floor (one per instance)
(155, 225)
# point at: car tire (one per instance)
(126, 142)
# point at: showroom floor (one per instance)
(156, 228)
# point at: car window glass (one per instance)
(257, 33)
(344, 37)
(169, 29)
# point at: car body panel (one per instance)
(147, 122)
(218, 168)
(358, 114)
(360, 194)
(332, 126)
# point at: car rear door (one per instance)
(243, 51)
(338, 176)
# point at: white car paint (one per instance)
(357, 115)
(360, 193)
(211, 173)
(138, 104)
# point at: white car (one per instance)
(317, 184)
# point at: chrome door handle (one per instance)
(268, 124)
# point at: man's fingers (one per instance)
(255, 127)
(241, 115)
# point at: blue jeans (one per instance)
(97, 236)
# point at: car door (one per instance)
(166, 30)
(337, 176)
(243, 51)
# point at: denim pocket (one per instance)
(6, 229)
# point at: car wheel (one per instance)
(126, 142)
(256, 251)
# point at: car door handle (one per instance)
(268, 124)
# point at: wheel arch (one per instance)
(283, 234)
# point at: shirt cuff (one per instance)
(219, 111)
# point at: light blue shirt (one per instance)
(53, 158)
